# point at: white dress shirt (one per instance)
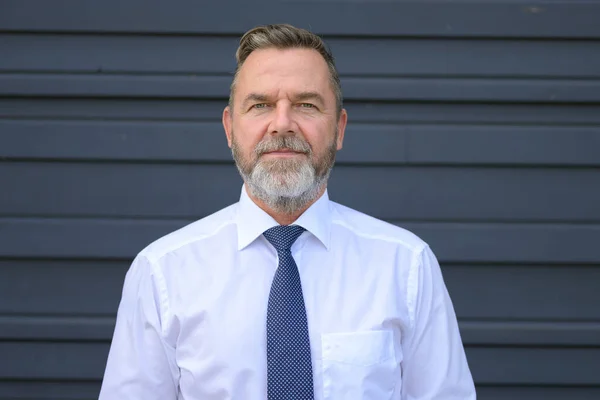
(192, 319)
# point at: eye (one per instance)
(259, 105)
(307, 105)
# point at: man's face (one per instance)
(283, 129)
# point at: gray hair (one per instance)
(284, 36)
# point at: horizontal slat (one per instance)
(453, 242)
(49, 390)
(62, 360)
(502, 333)
(62, 288)
(60, 238)
(488, 292)
(202, 110)
(377, 56)
(94, 140)
(482, 145)
(40, 328)
(527, 392)
(364, 143)
(515, 365)
(458, 18)
(404, 89)
(52, 360)
(404, 193)
(194, 188)
(94, 53)
(124, 109)
(536, 243)
(582, 334)
(514, 292)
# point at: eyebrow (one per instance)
(309, 96)
(255, 97)
(302, 96)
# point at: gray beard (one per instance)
(285, 185)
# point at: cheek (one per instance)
(320, 136)
(247, 135)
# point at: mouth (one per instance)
(283, 153)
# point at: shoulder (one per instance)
(371, 228)
(204, 228)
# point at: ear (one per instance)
(341, 128)
(227, 124)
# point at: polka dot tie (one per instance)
(289, 368)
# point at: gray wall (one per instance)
(474, 124)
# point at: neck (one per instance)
(283, 218)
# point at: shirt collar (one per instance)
(252, 221)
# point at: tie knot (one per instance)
(282, 237)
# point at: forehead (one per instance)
(275, 70)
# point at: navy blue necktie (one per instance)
(289, 368)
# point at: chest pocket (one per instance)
(359, 365)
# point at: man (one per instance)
(285, 294)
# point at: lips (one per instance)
(283, 152)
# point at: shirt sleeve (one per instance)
(140, 364)
(434, 364)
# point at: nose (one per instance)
(283, 120)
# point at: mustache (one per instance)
(293, 143)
